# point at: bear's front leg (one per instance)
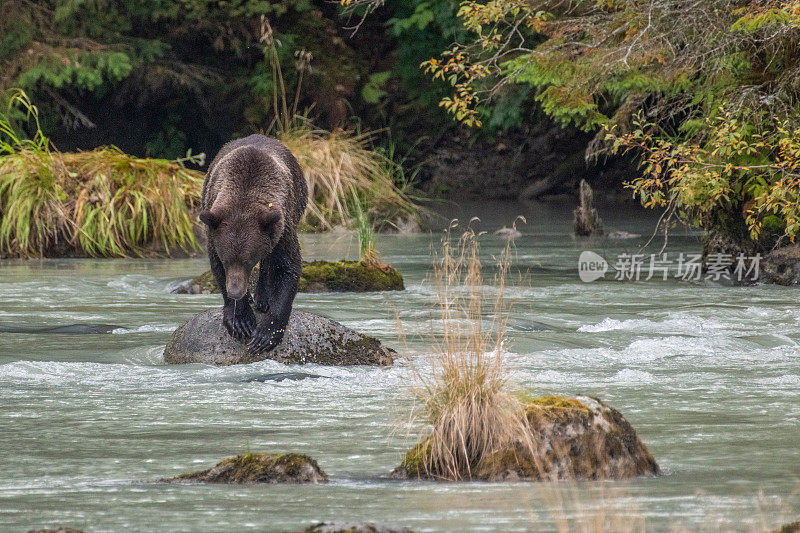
(237, 315)
(261, 294)
(277, 287)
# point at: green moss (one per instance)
(555, 409)
(258, 468)
(416, 459)
(326, 276)
(349, 276)
(207, 283)
(511, 459)
(293, 463)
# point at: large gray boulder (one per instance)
(309, 338)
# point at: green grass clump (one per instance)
(101, 203)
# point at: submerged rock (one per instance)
(353, 527)
(70, 329)
(794, 527)
(56, 529)
(259, 468)
(622, 235)
(317, 276)
(574, 438)
(280, 376)
(308, 339)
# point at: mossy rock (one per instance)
(349, 276)
(573, 438)
(781, 266)
(56, 529)
(317, 276)
(353, 527)
(309, 338)
(259, 468)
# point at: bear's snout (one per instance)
(236, 282)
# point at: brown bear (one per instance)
(254, 195)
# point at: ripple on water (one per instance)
(672, 323)
(631, 376)
(790, 383)
(82, 376)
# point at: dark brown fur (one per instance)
(253, 198)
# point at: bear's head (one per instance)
(241, 238)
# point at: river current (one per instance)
(708, 374)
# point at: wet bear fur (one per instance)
(254, 195)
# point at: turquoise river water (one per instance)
(708, 375)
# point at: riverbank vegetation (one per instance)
(338, 165)
(56, 58)
(105, 203)
(98, 203)
(704, 92)
(701, 94)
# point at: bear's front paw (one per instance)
(239, 320)
(267, 336)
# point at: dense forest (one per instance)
(691, 106)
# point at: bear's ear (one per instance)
(209, 219)
(268, 218)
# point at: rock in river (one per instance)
(56, 529)
(573, 438)
(309, 338)
(259, 468)
(353, 527)
(794, 527)
(782, 266)
(317, 276)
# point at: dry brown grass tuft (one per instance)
(466, 397)
(335, 165)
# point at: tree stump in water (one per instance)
(587, 221)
